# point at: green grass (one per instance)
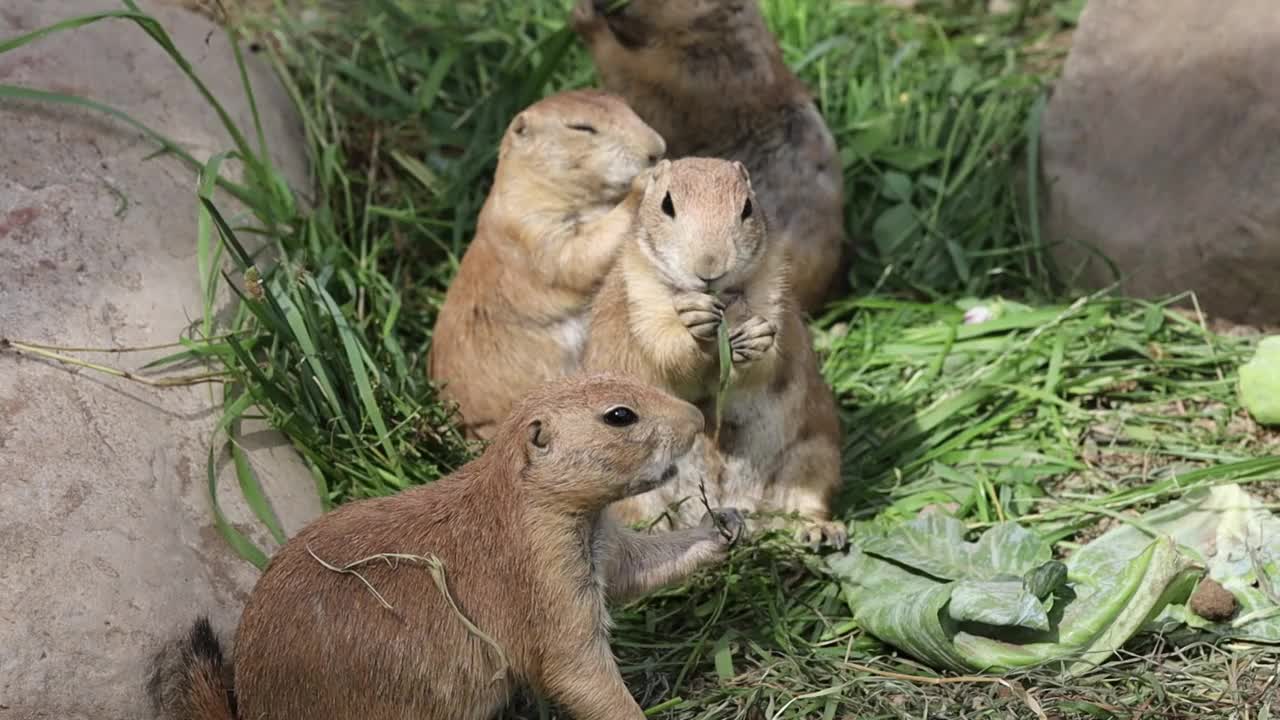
(1062, 416)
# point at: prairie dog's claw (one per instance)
(700, 313)
(730, 520)
(752, 339)
(823, 533)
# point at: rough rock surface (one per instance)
(1159, 149)
(107, 544)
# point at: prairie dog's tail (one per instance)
(189, 678)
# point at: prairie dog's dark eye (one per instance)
(582, 127)
(746, 209)
(668, 207)
(620, 416)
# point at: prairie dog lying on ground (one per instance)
(701, 250)
(709, 77)
(529, 557)
(515, 315)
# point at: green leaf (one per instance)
(724, 657)
(1260, 382)
(894, 226)
(866, 143)
(208, 256)
(725, 355)
(68, 24)
(964, 78)
(1068, 11)
(420, 172)
(1152, 320)
(250, 487)
(241, 544)
(13, 92)
(897, 186)
(911, 159)
(359, 370)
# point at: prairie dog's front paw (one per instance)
(823, 533)
(728, 523)
(700, 313)
(751, 339)
(638, 184)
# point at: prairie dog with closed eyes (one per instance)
(561, 201)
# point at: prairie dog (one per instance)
(709, 77)
(701, 250)
(515, 314)
(529, 557)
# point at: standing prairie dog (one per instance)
(515, 315)
(701, 250)
(529, 559)
(709, 77)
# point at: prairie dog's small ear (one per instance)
(520, 125)
(651, 177)
(742, 170)
(537, 439)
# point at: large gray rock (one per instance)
(1160, 150)
(107, 544)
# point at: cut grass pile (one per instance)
(1065, 414)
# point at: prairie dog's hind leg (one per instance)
(588, 686)
(812, 532)
(798, 499)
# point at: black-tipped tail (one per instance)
(189, 678)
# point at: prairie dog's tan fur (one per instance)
(699, 231)
(709, 77)
(515, 315)
(529, 557)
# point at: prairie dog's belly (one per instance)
(752, 457)
(754, 453)
(570, 335)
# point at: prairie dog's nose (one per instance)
(689, 420)
(698, 420)
(657, 150)
(708, 270)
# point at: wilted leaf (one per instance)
(935, 544)
(997, 602)
(1046, 579)
(1226, 531)
(900, 607)
(899, 584)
